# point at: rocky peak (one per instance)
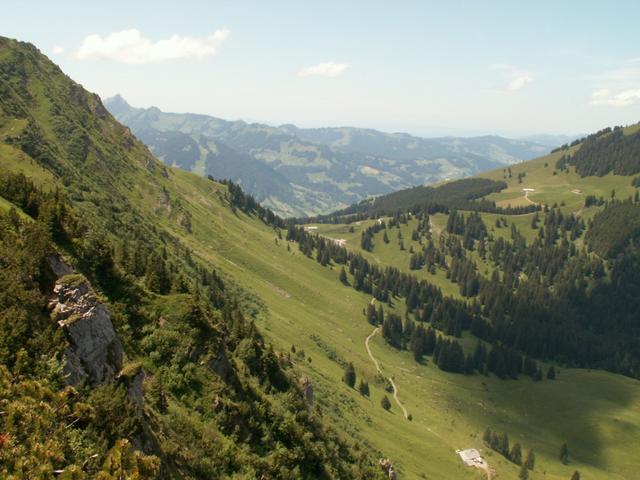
(117, 105)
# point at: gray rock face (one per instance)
(94, 354)
(59, 267)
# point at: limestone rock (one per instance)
(94, 354)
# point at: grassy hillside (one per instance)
(552, 186)
(118, 188)
(308, 308)
(567, 190)
(215, 401)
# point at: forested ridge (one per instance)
(465, 194)
(607, 151)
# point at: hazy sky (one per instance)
(424, 67)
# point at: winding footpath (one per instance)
(375, 362)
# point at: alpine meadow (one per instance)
(210, 296)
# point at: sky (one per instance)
(422, 67)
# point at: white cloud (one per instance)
(58, 49)
(130, 46)
(519, 82)
(618, 87)
(516, 79)
(623, 98)
(325, 69)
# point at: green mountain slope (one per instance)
(153, 216)
(574, 252)
(193, 387)
(309, 171)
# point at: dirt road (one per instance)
(375, 362)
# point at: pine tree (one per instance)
(343, 276)
(386, 404)
(524, 472)
(530, 461)
(564, 453)
(487, 436)
(157, 394)
(516, 454)
(349, 375)
(504, 444)
(551, 373)
(468, 365)
(363, 388)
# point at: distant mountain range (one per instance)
(552, 141)
(298, 172)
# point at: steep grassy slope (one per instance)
(308, 308)
(218, 402)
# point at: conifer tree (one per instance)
(530, 461)
(564, 453)
(157, 394)
(343, 276)
(363, 388)
(516, 454)
(524, 472)
(386, 404)
(487, 436)
(551, 373)
(349, 375)
(576, 475)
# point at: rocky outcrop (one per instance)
(387, 468)
(94, 354)
(59, 267)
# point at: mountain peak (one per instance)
(118, 104)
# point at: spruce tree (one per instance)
(157, 394)
(386, 404)
(530, 461)
(487, 436)
(524, 472)
(504, 444)
(363, 388)
(343, 276)
(551, 373)
(564, 453)
(538, 375)
(516, 454)
(350, 375)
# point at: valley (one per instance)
(236, 327)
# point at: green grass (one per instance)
(592, 411)
(557, 189)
